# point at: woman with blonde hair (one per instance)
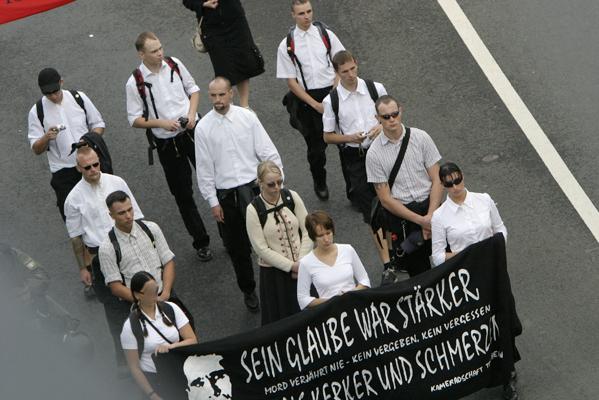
(275, 226)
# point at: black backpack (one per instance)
(141, 85)
(103, 292)
(374, 95)
(137, 330)
(263, 212)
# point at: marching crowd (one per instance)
(392, 174)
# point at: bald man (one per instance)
(230, 142)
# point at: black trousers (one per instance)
(360, 192)
(418, 261)
(311, 123)
(117, 312)
(175, 156)
(62, 182)
(234, 233)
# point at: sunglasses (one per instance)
(452, 183)
(388, 116)
(94, 165)
(275, 183)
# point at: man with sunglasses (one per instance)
(416, 190)
(59, 119)
(88, 222)
(87, 217)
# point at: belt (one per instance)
(162, 141)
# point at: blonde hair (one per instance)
(266, 167)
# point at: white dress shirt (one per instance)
(153, 340)
(329, 280)
(172, 101)
(462, 225)
(86, 212)
(356, 111)
(69, 114)
(312, 54)
(228, 150)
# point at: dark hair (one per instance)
(137, 283)
(448, 169)
(116, 197)
(342, 57)
(385, 99)
(140, 42)
(318, 218)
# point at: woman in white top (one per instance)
(160, 334)
(463, 219)
(334, 269)
(279, 238)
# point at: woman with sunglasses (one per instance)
(280, 240)
(159, 332)
(463, 219)
(332, 268)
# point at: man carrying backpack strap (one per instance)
(349, 121)
(304, 61)
(163, 98)
(132, 246)
(56, 122)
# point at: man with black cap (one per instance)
(59, 119)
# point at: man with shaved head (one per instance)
(230, 142)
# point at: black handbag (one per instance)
(378, 214)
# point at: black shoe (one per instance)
(204, 254)
(322, 191)
(509, 390)
(251, 301)
(88, 292)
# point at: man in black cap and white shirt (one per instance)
(59, 119)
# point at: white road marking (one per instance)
(557, 167)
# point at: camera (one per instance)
(60, 127)
(412, 242)
(183, 122)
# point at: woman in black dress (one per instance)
(227, 37)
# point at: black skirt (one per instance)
(227, 36)
(278, 294)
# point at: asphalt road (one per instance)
(549, 53)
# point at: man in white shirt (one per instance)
(306, 66)
(352, 126)
(230, 142)
(168, 112)
(59, 119)
(416, 191)
(88, 222)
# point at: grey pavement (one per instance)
(548, 52)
